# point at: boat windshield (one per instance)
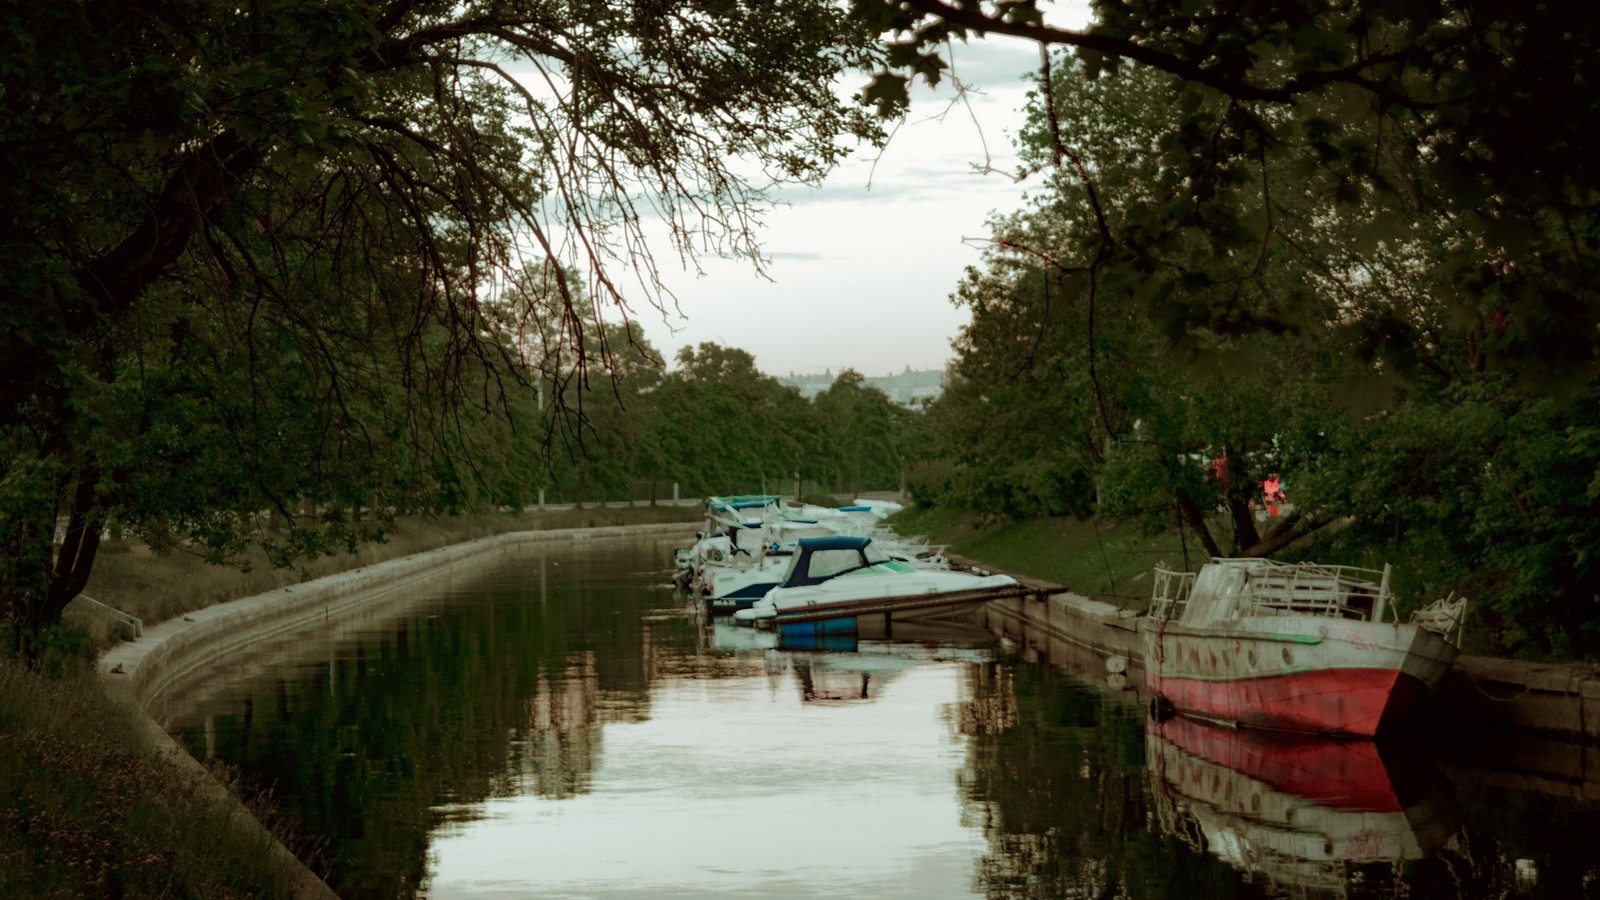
(813, 566)
(828, 563)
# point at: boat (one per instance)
(1306, 814)
(752, 562)
(1295, 647)
(743, 551)
(732, 525)
(839, 576)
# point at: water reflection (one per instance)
(1309, 816)
(561, 725)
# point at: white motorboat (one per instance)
(834, 576)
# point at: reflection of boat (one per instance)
(1296, 647)
(837, 576)
(821, 683)
(861, 672)
(1303, 811)
(832, 668)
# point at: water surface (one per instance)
(562, 725)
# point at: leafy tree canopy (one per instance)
(1464, 122)
(256, 252)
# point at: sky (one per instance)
(862, 267)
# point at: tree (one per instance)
(865, 433)
(1073, 397)
(1424, 108)
(302, 211)
(1266, 316)
(728, 428)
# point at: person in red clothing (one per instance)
(1272, 490)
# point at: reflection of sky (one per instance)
(736, 787)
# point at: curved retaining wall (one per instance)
(174, 655)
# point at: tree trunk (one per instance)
(35, 586)
(1244, 523)
(1289, 529)
(79, 547)
(1197, 522)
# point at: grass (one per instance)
(1108, 561)
(156, 587)
(86, 810)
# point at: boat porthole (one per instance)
(1288, 657)
(1288, 816)
(1250, 657)
(1255, 803)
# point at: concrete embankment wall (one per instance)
(1481, 694)
(177, 655)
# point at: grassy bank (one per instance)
(156, 587)
(1108, 561)
(86, 810)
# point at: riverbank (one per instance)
(1106, 566)
(1105, 561)
(92, 800)
(86, 811)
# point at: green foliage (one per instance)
(255, 255)
(1483, 492)
(1281, 251)
(1386, 146)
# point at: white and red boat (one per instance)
(1296, 647)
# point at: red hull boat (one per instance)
(1293, 647)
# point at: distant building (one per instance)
(909, 388)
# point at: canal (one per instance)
(561, 725)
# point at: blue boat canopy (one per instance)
(817, 559)
(834, 542)
(743, 501)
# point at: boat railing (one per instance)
(1171, 593)
(1270, 588)
(1338, 592)
(1446, 617)
(1313, 594)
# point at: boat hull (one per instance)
(849, 594)
(1304, 674)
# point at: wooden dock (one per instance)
(905, 603)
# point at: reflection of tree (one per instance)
(554, 755)
(1055, 777)
(368, 754)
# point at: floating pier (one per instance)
(888, 606)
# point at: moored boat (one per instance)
(837, 575)
(1295, 647)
